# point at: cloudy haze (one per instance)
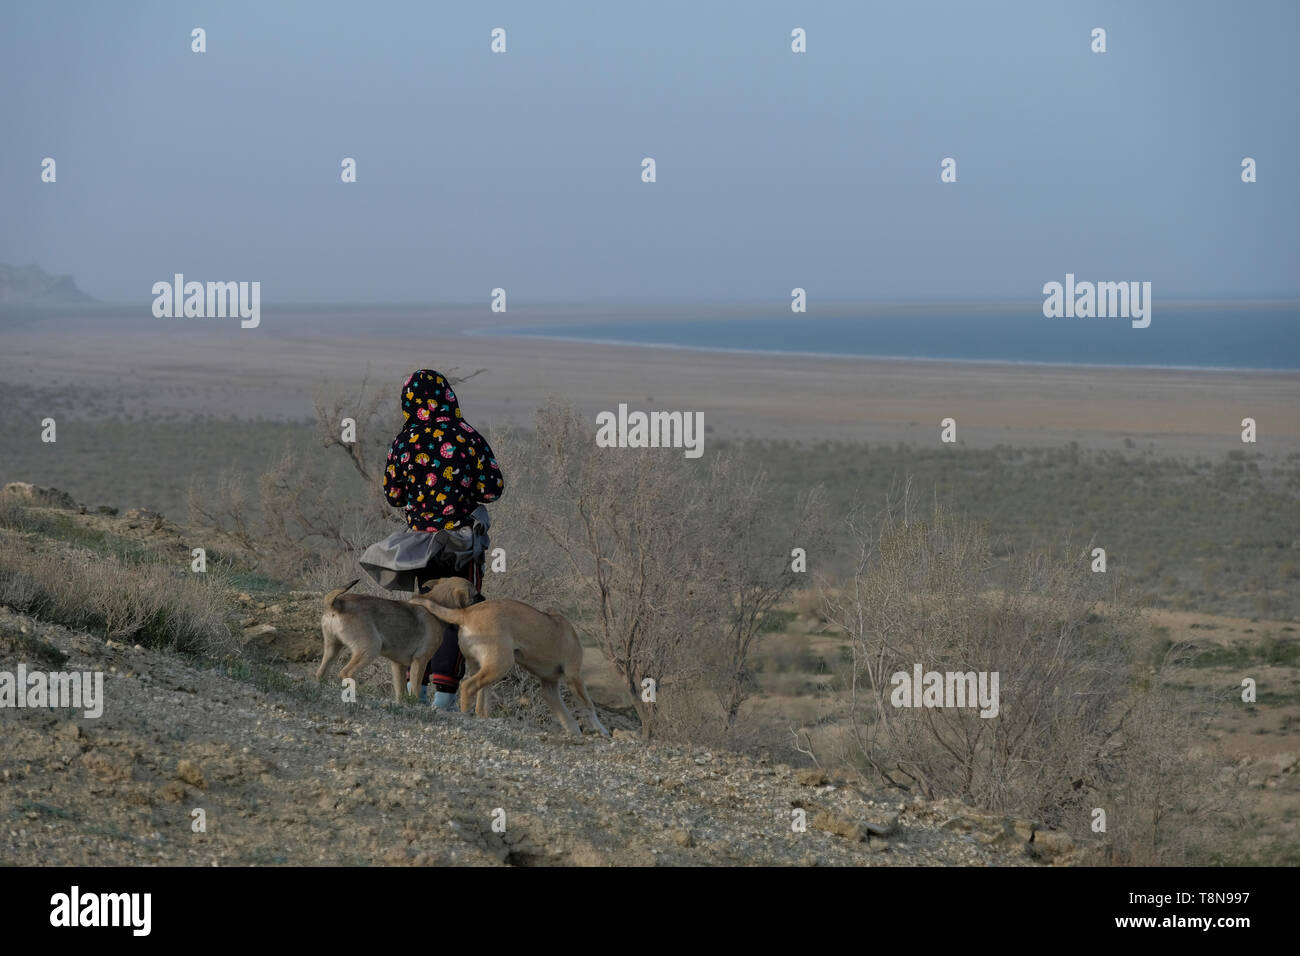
(774, 169)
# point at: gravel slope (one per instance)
(292, 775)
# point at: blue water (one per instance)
(1234, 337)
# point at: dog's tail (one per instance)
(334, 595)
(448, 615)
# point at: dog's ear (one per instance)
(424, 588)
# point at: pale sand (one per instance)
(165, 367)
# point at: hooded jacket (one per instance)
(439, 468)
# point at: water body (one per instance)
(1249, 336)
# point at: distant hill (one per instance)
(32, 285)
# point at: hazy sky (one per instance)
(775, 170)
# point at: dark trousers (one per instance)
(447, 666)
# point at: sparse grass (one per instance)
(151, 603)
(777, 620)
(791, 684)
(123, 462)
(266, 856)
(111, 832)
(1157, 647)
(62, 527)
(34, 648)
(789, 654)
(267, 679)
(271, 680)
(1242, 845)
(253, 581)
(1274, 698)
(44, 809)
(423, 713)
(50, 812)
(16, 517)
(1221, 536)
(1266, 652)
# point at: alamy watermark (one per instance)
(212, 300)
(1102, 300)
(651, 430)
(951, 689)
(80, 690)
(75, 908)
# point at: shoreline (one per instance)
(523, 334)
(87, 370)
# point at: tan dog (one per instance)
(499, 633)
(369, 626)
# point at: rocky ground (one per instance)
(287, 773)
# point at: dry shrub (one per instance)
(1083, 721)
(305, 511)
(1168, 798)
(672, 565)
(927, 592)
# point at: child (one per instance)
(439, 472)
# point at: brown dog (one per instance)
(499, 633)
(370, 626)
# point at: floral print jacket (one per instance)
(439, 468)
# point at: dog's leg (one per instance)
(481, 695)
(360, 658)
(418, 666)
(399, 681)
(580, 691)
(466, 682)
(551, 691)
(489, 672)
(331, 650)
(469, 687)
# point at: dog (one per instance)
(373, 626)
(496, 634)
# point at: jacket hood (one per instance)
(427, 397)
(439, 469)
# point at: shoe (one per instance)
(444, 700)
(424, 692)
